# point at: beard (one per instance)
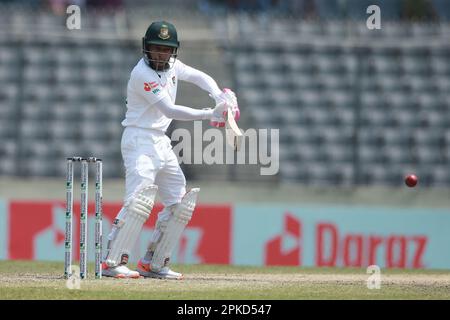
(159, 65)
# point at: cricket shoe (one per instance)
(120, 271)
(144, 270)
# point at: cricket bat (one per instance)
(233, 133)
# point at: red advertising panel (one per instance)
(36, 230)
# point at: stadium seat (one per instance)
(440, 176)
(426, 101)
(262, 116)
(97, 131)
(92, 58)
(374, 174)
(333, 81)
(68, 94)
(342, 173)
(286, 154)
(244, 63)
(309, 99)
(397, 173)
(65, 112)
(307, 153)
(8, 93)
(8, 149)
(292, 171)
(396, 137)
(339, 99)
(432, 119)
(370, 136)
(319, 174)
(441, 82)
(350, 63)
(8, 56)
(113, 111)
(291, 115)
(255, 98)
(414, 65)
(396, 154)
(308, 29)
(266, 62)
(300, 134)
(395, 29)
(418, 83)
(429, 154)
(9, 73)
(396, 100)
(40, 149)
(297, 64)
(62, 56)
(325, 64)
(30, 129)
(9, 111)
(338, 153)
(318, 116)
(38, 56)
(425, 29)
(446, 136)
(439, 64)
(246, 80)
(35, 111)
(302, 82)
(428, 137)
(389, 82)
(64, 130)
(8, 167)
(65, 148)
(373, 117)
(36, 167)
(37, 91)
(384, 64)
(38, 74)
(367, 153)
(280, 97)
(8, 129)
(344, 117)
(404, 119)
(67, 74)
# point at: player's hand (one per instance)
(229, 97)
(219, 114)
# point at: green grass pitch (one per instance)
(44, 280)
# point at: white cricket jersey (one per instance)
(145, 88)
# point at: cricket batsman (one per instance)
(150, 163)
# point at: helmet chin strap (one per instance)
(156, 64)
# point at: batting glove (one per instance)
(229, 97)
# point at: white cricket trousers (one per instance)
(149, 159)
(148, 156)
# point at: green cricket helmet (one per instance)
(164, 34)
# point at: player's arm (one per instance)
(199, 78)
(178, 112)
(207, 83)
(160, 100)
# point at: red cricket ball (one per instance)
(411, 180)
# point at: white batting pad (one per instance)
(129, 225)
(171, 230)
